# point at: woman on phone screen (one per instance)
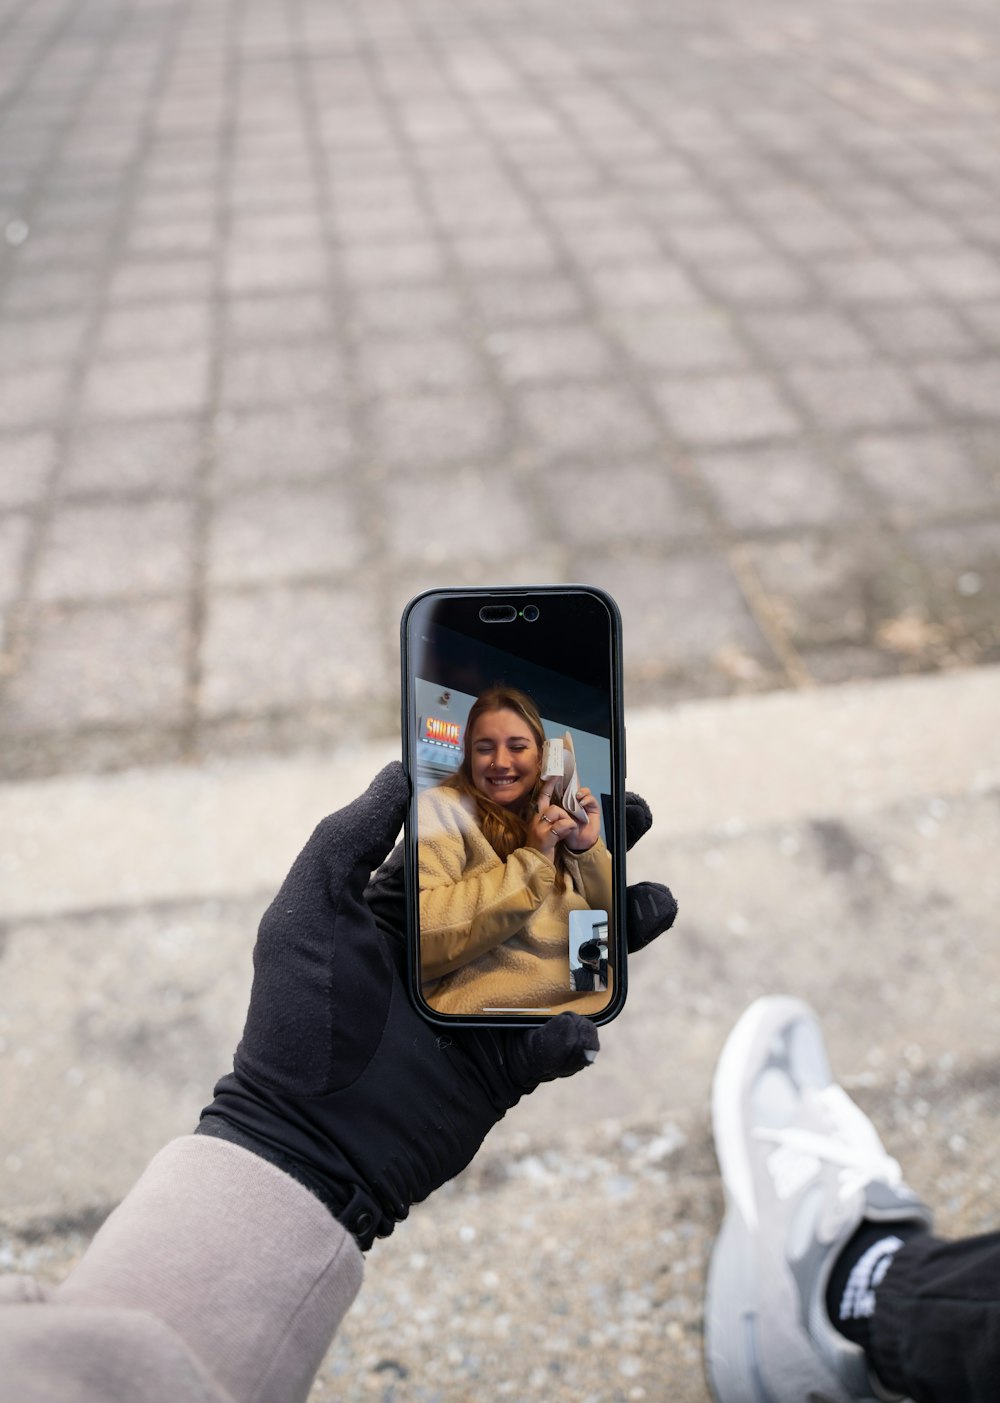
(501, 868)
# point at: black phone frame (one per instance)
(615, 832)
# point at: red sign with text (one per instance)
(442, 732)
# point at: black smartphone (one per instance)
(515, 853)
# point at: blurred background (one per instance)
(308, 305)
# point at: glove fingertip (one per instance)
(563, 1046)
(652, 909)
(390, 786)
(638, 818)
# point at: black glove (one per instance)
(337, 1079)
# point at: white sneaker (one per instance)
(802, 1167)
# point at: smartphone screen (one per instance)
(512, 725)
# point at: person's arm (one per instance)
(224, 1273)
(219, 1279)
(463, 916)
(590, 873)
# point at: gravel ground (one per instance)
(575, 1269)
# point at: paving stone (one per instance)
(511, 300)
(956, 194)
(401, 222)
(912, 229)
(282, 317)
(964, 563)
(108, 551)
(612, 246)
(816, 235)
(723, 409)
(527, 254)
(311, 439)
(462, 209)
(258, 185)
(961, 556)
(682, 610)
(764, 282)
(920, 472)
(601, 418)
(444, 520)
(826, 588)
(422, 430)
(540, 354)
(154, 205)
(424, 307)
(160, 279)
(467, 200)
(15, 537)
(982, 228)
(76, 209)
(968, 275)
(281, 374)
(154, 328)
(26, 462)
(253, 268)
(985, 317)
(963, 388)
(914, 330)
(142, 386)
(283, 533)
(177, 236)
(598, 209)
(711, 243)
(148, 455)
(863, 281)
(388, 366)
(382, 264)
(858, 396)
(55, 289)
(815, 334)
(30, 397)
(668, 208)
(642, 286)
(290, 647)
(119, 665)
(649, 503)
(374, 180)
(31, 341)
(770, 488)
(680, 340)
(283, 228)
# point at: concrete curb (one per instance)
(231, 829)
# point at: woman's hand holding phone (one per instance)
(546, 822)
(552, 825)
(585, 832)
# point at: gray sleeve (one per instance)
(218, 1278)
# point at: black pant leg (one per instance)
(935, 1334)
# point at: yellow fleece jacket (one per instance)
(495, 933)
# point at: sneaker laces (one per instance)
(852, 1145)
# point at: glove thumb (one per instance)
(559, 1048)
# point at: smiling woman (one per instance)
(502, 866)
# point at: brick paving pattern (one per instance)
(306, 306)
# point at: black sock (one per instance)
(857, 1273)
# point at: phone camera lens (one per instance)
(530, 613)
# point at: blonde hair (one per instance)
(505, 830)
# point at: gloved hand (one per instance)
(337, 1079)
